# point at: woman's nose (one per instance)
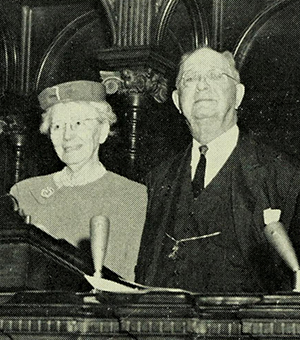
(68, 131)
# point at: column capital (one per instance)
(138, 81)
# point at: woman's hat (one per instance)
(80, 90)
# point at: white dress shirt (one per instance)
(217, 154)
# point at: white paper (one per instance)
(115, 287)
(109, 286)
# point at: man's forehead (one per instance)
(205, 59)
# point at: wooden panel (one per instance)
(33, 260)
(63, 315)
(268, 56)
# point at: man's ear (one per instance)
(240, 91)
(175, 98)
(104, 131)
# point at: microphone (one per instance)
(278, 237)
(99, 234)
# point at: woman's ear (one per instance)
(104, 131)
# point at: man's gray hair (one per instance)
(226, 54)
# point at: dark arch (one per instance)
(245, 42)
(267, 56)
(111, 20)
(8, 58)
(85, 35)
(199, 23)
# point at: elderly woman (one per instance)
(78, 120)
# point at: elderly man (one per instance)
(204, 225)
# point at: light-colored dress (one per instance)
(65, 212)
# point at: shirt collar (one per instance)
(226, 142)
(61, 178)
(217, 154)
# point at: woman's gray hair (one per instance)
(103, 109)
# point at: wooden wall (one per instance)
(45, 42)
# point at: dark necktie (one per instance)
(198, 181)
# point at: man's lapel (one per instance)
(168, 201)
(249, 198)
(172, 186)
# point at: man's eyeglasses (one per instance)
(76, 126)
(191, 79)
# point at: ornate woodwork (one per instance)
(144, 81)
(44, 42)
(136, 89)
(33, 260)
(144, 65)
(136, 45)
(62, 315)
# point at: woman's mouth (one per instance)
(71, 148)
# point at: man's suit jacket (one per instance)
(261, 179)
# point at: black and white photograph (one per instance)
(149, 169)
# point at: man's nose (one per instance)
(202, 83)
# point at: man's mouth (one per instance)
(204, 100)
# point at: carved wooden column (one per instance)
(14, 130)
(18, 128)
(136, 71)
(135, 105)
(138, 90)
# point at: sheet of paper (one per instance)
(109, 286)
(115, 287)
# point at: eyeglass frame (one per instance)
(205, 77)
(70, 124)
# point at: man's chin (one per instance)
(203, 113)
(200, 120)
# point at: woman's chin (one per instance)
(72, 161)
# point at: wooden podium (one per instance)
(43, 295)
(83, 316)
(33, 260)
